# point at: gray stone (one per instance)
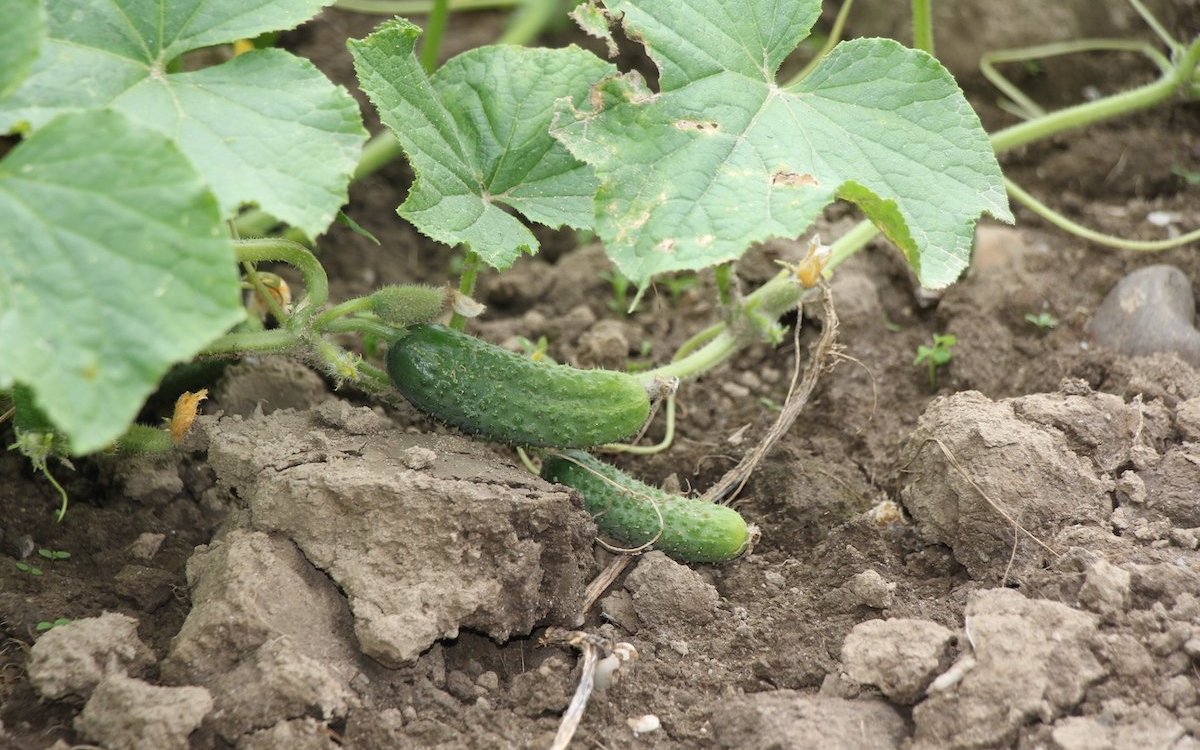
(668, 595)
(1105, 589)
(1151, 310)
(249, 588)
(1032, 658)
(899, 656)
(125, 713)
(468, 541)
(72, 659)
(279, 682)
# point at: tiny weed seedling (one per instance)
(618, 300)
(45, 625)
(936, 355)
(54, 554)
(32, 570)
(1043, 320)
(677, 284)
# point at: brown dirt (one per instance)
(1007, 560)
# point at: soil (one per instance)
(1006, 559)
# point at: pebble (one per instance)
(1150, 310)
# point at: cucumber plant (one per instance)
(124, 251)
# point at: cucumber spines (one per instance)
(637, 514)
(499, 395)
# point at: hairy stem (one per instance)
(466, 286)
(923, 25)
(435, 28)
(316, 283)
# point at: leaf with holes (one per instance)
(265, 127)
(724, 156)
(477, 135)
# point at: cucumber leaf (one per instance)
(113, 266)
(477, 136)
(21, 36)
(724, 156)
(265, 127)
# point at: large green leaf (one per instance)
(113, 266)
(724, 156)
(266, 127)
(21, 35)
(476, 133)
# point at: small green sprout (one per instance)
(619, 302)
(535, 350)
(1042, 320)
(45, 625)
(54, 554)
(937, 355)
(32, 570)
(678, 284)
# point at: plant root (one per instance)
(602, 661)
(822, 357)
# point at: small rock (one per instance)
(618, 609)
(148, 588)
(279, 682)
(418, 457)
(461, 686)
(899, 656)
(1105, 589)
(1150, 310)
(72, 659)
(1080, 733)
(872, 590)
(667, 594)
(125, 713)
(604, 345)
(146, 545)
(1187, 419)
(489, 681)
(295, 734)
(643, 724)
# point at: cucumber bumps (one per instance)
(487, 391)
(633, 512)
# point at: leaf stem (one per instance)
(771, 300)
(724, 277)
(316, 283)
(835, 36)
(528, 21)
(275, 340)
(466, 286)
(362, 325)
(1125, 102)
(342, 309)
(1108, 240)
(435, 28)
(923, 25)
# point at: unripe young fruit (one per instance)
(500, 395)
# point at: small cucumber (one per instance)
(693, 530)
(499, 395)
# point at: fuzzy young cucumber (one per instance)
(496, 394)
(693, 530)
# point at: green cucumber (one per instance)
(499, 395)
(693, 530)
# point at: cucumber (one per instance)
(499, 395)
(693, 530)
